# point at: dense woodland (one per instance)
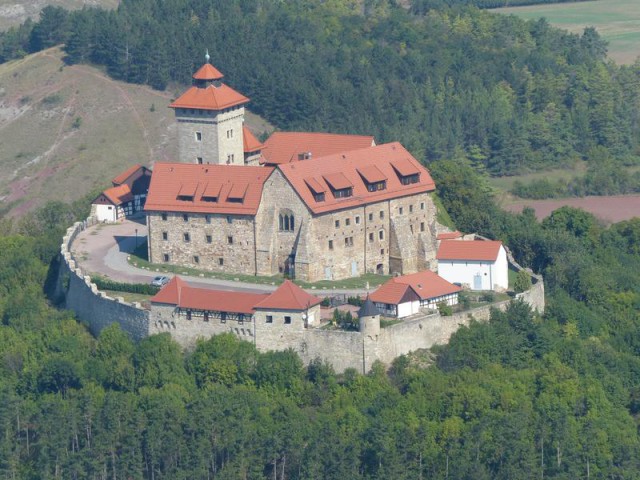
(422, 5)
(515, 95)
(522, 396)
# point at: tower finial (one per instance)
(206, 56)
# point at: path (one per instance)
(103, 249)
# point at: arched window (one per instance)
(286, 222)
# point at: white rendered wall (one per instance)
(494, 275)
(408, 308)
(106, 213)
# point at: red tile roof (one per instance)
(284, 147)
(426, 285)
(177, 292)
(208, 72)
(308, 175)
(372, 174)
(119, 194)
(126, 174)
(449, 235)
(209, 98)
(170, 293)
(250, 142)
(227, 180)
(289, 296)
(475, 250)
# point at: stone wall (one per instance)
(213, 145)
(222, 243)
(342, 349)
(91, 306)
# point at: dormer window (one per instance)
(409, 179)
(341, 186)
(211, 192)
(374, 187)
(343, 192)
(185, 198)
(317, 188)
(237, 193)
(187, 192)
(318, 197)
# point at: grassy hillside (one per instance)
(14, 12)
(65, 131)
(617, 21)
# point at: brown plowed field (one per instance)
(608, 209)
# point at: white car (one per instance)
(160, 281)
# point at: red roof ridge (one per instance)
(289, 296)
(249, 140)
(126, 174)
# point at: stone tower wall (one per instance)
(215, 145)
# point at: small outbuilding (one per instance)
(476, 264)
(126, 197)
(408, 294)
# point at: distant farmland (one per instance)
(617, 21)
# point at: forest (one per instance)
(516, 96)
(555, 396)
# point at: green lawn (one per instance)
(139, 259)
(617, 21)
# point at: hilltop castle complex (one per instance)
(309, 205)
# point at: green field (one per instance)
(618, 21)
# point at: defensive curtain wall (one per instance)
(343, 349)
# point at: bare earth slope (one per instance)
(67, 130)
(14, 12)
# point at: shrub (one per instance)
(522, 282)
(444, 309)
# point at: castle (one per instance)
(311, 206)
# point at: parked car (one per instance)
(160, 281)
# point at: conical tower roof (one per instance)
(368, 309)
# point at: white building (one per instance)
(408, 294)
(477, 264)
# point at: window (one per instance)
(185, 198)
(371, 237)
(286, 222)
(343, 192)
(230, 240)
(337, 223)
(221, 261)
(269, 318)
(422, 226)
(374, 187)
(229, 219)
(410, 208)
(187, 237)
(109, 207)
(330, 244)
(371, 217)
(348, 242)
(400, 210)
(199, 160)
(357, 220)
(198, 136)
(196, 259)
(165, 236)
(165, 257)
(422, 206)
(164, 217)
(381, 214)
(188, 314)
(382, 251)
(205, 316)
(287, 320)
(229, 133)
(318, 197)
(409, 179)
(381, 234)
(209, 239)
(230, 158)
(347, 222)
(185, 217)
(207, 218)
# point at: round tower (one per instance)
(369, 317)
(210, 117)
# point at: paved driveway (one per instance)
(103, 249)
